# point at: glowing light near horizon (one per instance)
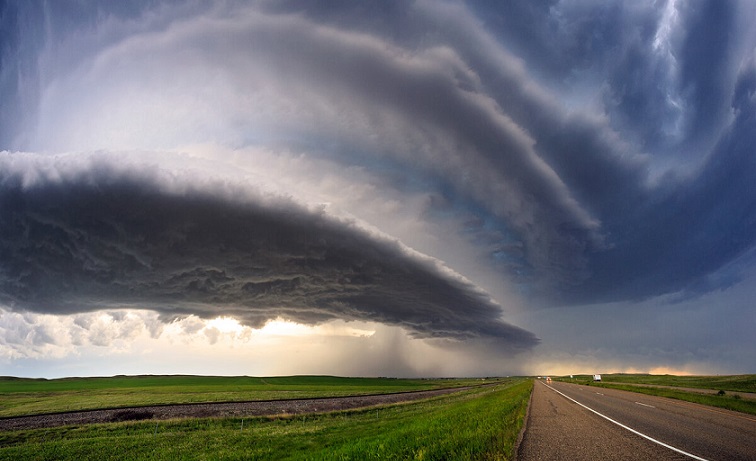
(280, 327)
(226, 325)
(277, 327)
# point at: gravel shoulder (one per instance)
(225, 409)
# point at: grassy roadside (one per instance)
(36, 396)
(730, 383)
(476, 424)
(729, 400)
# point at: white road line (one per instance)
(628, 428)
(645, 405)
(597, 393)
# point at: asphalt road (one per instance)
(559, 428)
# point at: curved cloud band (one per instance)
(105, 237)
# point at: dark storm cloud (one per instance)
(676, 87)
(79, 239)
(664, 67)
(594, 151)
(706, 52)
(422, 103)
(693, 228)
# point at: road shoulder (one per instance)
(557, 428)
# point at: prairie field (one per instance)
(478, 423)
(20, 396)
(733, 383)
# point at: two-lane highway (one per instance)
(585, 422)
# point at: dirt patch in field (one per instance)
(131, 415)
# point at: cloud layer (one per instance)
(80, 240)
(298, 158)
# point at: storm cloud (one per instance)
(431, 165)
(104, 237)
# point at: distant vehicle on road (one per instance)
(597, 377)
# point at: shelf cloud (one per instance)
(451, 169)
(102, 237)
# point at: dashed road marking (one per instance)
(645, 405)
(628, 428)
(713, 410)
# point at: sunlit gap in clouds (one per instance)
(224, 329)
(281, 328)
(30, 335)
(114, 342)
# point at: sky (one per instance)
(393, 188)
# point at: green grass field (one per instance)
(36, 396)
(481, 423)
(733, 383)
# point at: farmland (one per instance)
(35, 396)
(478, 423)
(734, 383)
